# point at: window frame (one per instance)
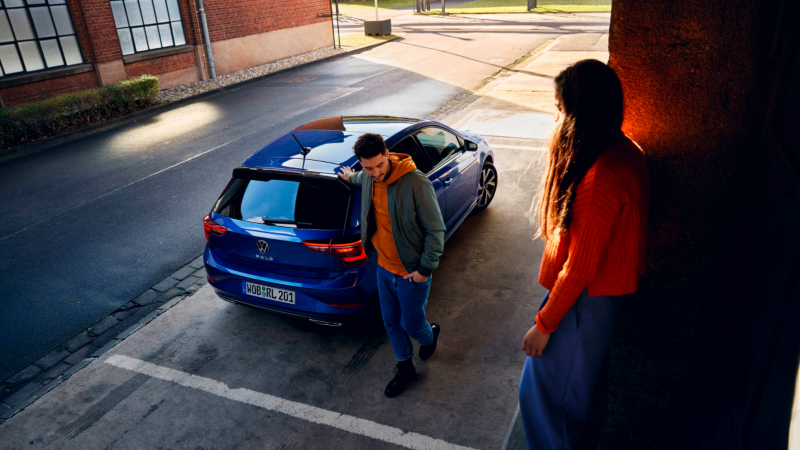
(57, 37)
(144, 26)
(423, 153)
(244, 175)
(451, 156)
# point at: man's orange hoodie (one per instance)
(383, 240)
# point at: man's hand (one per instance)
(534, 342)
(345, 173)
(416, 277)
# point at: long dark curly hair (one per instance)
(590, 96)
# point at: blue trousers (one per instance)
(403, 305)
(557, 391)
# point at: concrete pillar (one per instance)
(102, 31)
(690, 73)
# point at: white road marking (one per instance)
(260, 130)
(519, 147)
(297, 410)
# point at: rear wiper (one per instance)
(269, 221)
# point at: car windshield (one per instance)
(287, 201)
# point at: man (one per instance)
(401, 220)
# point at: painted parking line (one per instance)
(298, 410)
(519, 147)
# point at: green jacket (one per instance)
(417, 224)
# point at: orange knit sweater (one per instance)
(604, 248)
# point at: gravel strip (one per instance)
(198, 87)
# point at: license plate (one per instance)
(269, 293)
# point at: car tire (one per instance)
(487, 187)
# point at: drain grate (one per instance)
(525, 125)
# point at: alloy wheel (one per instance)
(488, 185)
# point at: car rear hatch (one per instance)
(288, 224)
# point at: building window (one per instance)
(36, 35)
(144, 25)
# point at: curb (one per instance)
(44, 144)
(31, 383)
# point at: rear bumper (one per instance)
(312, 301)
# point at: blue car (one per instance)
(284, 235)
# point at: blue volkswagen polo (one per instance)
(284, 235)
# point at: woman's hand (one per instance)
(534, 342)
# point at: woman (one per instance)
(593, 217)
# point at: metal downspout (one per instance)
(208, 40)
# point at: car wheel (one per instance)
(487, 187)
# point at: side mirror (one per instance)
(471, 146)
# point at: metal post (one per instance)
(417, 6)
(376, 9)
(208, 40)
(443, 10)
(333, 30)
(338, 31)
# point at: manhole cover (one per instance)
(524, 125)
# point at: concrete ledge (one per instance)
(160, 53)
(233, 55)
(45, 75)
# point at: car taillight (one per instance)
(212, 228)
(351, 254)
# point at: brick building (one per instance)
(53, 47)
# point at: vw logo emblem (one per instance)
(263, 247)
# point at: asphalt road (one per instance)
(92, 221)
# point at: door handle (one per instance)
(447, 181)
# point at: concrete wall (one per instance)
(171, 71)
(240, 53)
(690, 72)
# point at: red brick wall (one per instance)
(161, 65)
(229, 19)
(97, 34)
(102, 31)
(41, 90)
(81, 31)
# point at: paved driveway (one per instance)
(92, 221)
(208, 374)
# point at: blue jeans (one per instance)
(557, 397)
(403, 305)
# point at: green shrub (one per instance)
(59, 114)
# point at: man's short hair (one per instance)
(369, 145)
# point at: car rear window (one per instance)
(285, 200)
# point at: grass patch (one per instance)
(34, 121)
(361, 40)
(362, 7)
(518, 6)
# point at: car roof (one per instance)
(328, 143)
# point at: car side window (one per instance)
(438, 143)
(409, 147)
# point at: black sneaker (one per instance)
(426, 351)
(405, 373)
